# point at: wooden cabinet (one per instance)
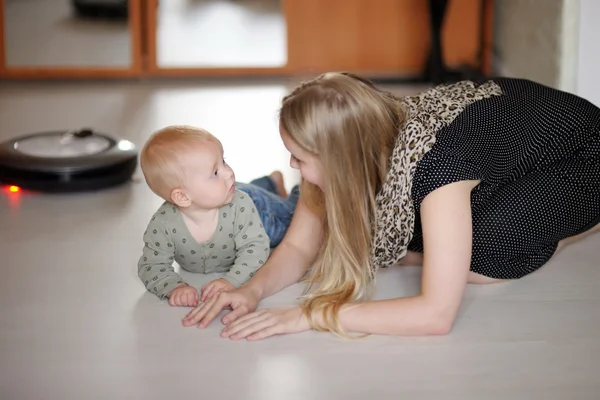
(294, 37)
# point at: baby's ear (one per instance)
(180, 198)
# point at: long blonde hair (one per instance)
(351, 126)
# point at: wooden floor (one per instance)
(76, 322)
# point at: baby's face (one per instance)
(210, 182)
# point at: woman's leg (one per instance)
(576, 238)
(522, 224)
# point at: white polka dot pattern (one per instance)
(536, 151)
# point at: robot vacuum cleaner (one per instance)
(66, 161)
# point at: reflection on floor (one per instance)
(76, 322)
(190, 33)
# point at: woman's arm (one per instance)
(447, 236)
(447, 239)
(294, 255)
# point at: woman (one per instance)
(481, 182)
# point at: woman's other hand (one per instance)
(241, 301)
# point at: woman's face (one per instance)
(308, 164)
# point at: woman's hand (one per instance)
(242, 301)
(214, 287)
(268, 322)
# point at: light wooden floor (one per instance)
(76, 322)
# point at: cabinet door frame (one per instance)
(135, 69)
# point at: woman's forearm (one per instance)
(286, 266)
(410, 316)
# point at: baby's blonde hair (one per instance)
(351, 126)
(160, 158)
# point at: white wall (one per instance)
(588, 68)
(569, 46)
(528, 39)
(554, 42)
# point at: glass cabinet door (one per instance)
(67, 37)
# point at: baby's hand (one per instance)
(184, 296)
(214, 287)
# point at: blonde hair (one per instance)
(351, 126)
(160, 158)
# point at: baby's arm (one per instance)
(155, 267)
(251, 242)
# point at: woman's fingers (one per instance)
(214, 306)
(206, 291)
(253, 326)
(265, 333)
(244, 322)
(245, 318)
(234, 315)
(214, 289)
(195, 315)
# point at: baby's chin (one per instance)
(230, 196)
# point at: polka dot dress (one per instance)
(536, 151)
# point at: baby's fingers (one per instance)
(178, 299)
(174, 298)
(190, 299)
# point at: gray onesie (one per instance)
(239, 246)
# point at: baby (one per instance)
(206, 224)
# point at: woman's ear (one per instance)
(180, 198)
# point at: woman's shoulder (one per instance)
(447, 100)
(429, 112)
(450, 99)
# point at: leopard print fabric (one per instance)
(427, 114)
